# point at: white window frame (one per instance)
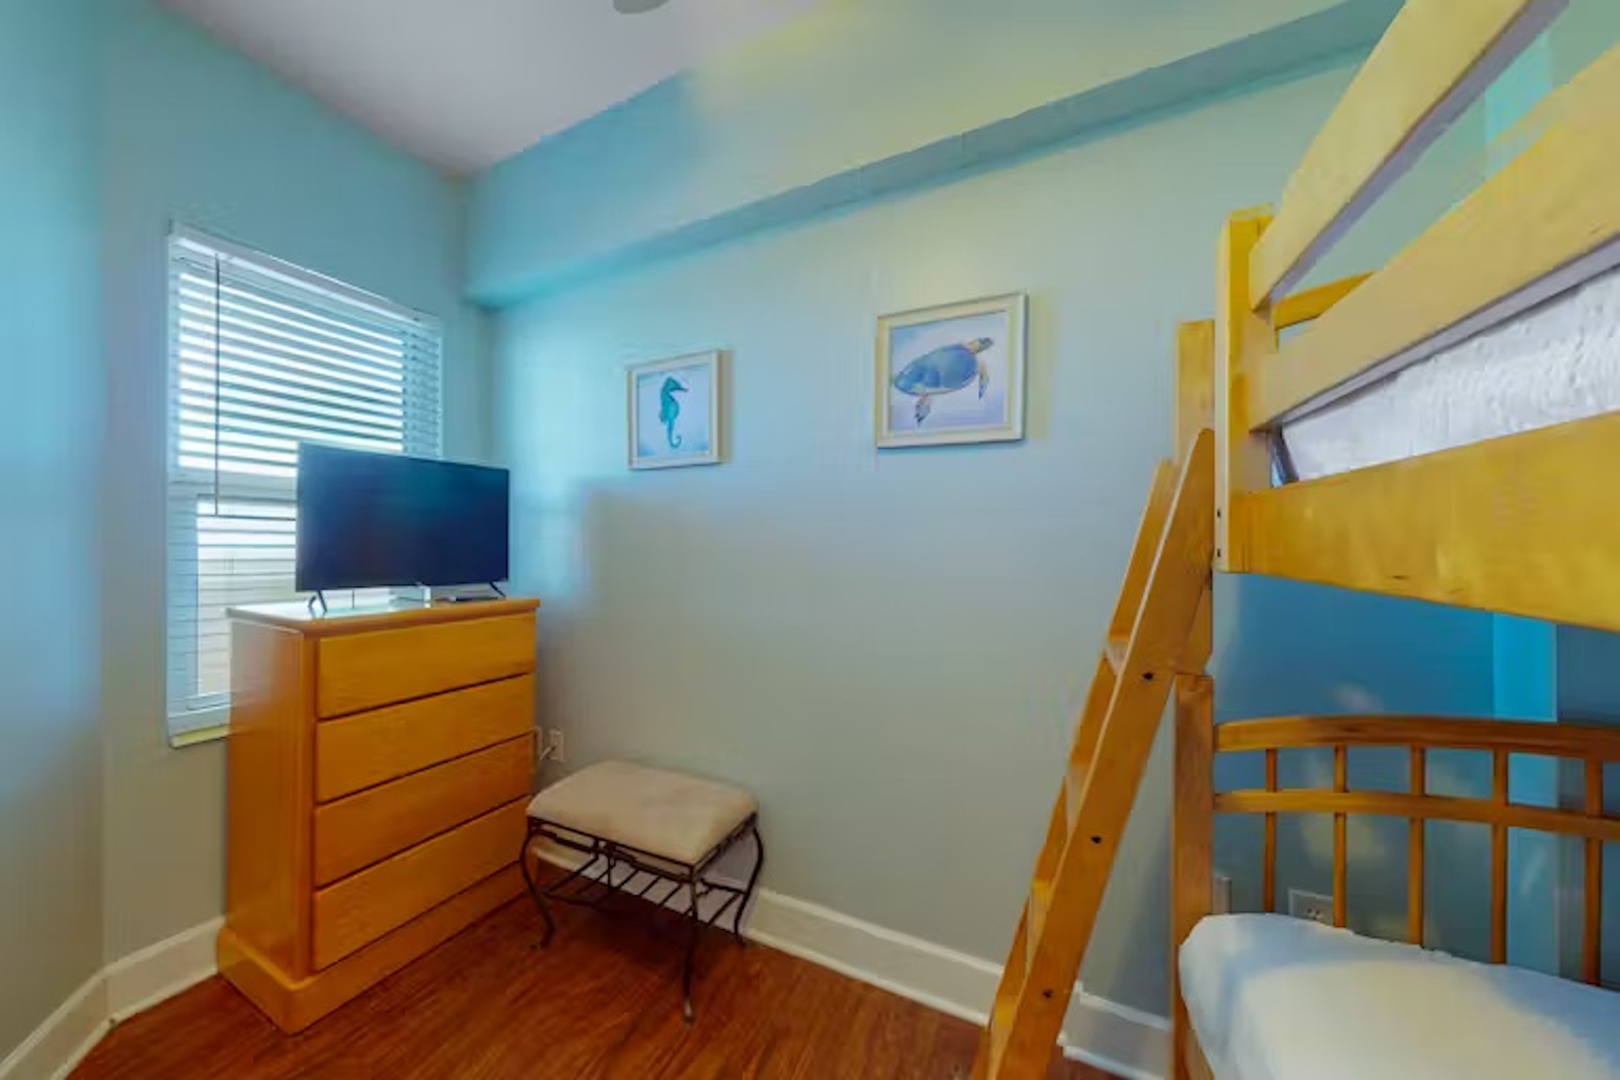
(205, 717)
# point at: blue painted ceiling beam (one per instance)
(646, 181)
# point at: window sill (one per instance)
(203, 726)
(198, 736)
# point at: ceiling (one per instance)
(466, 83)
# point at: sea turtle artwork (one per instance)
(669, 409)
(944, 371)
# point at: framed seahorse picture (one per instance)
(675, 412)
(952, 374)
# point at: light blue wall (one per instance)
(1525, 674)
(195, 133)
(1586, 30)
(890, 648)
(1525, 669)
(1288, 648)
(50, 758)
(1589, 693)
(860, 99)
(1588, 675)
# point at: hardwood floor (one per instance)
(603, 1002)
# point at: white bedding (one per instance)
(1557, 362)
(1276, 998)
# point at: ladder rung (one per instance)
(1115, 651)
(1074, 785)
(1057, 839)
(1001, 1023)
(1149, 531)
(1018, 956)
(1089, 728)
(1038, 906)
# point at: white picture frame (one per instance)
(674, 411)
(952, 374)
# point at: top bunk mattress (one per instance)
(1277, 998)
(1557, 362)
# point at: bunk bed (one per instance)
(1444, 429)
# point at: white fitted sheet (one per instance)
(1276, 998)
(1556, 362)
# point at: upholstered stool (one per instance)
(666, 825)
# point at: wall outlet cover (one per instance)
(1309, 905)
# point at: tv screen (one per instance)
(381, 519)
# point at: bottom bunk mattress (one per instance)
(1276, 998)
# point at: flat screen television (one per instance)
(367, 520)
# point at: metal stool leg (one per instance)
(687, 1012)
(601, 901)
(753, 881)
(534, 888)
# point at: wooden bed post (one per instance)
(1195, 383)
(1195, 412)
(1244, 338)
(1191, 831)
(1192, 838)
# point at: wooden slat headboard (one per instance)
(1418, 736)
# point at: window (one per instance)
(262, 356)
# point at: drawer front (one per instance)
(360, 909)
(363, 671)
(371, 748)
(352, 834)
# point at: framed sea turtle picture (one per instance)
(675, 412)
(952, 374)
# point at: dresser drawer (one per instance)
(355, 672)
(362, 908)
(353, 833)
(371, 748)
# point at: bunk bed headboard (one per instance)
(1591, 746)
(1521, 523)
(1199, 741)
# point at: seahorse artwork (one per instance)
(669, 409)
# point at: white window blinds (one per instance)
(264, 356)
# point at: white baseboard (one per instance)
(1130, 1043)
(941, 978)
(66, 1036)
(158, 972)
(1127, 1042)
(112, 995)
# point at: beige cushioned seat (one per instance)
(676, 817)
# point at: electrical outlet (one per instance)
(1220, 895)
(554, 746)
(1312, 906)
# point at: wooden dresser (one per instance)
(380, 763)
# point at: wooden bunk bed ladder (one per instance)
(1156, 634)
